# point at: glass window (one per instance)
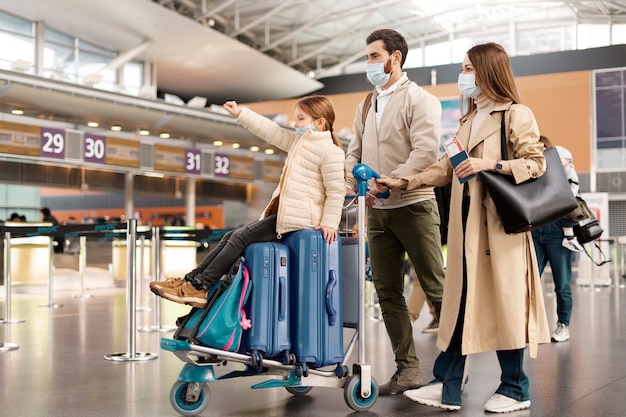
(16, 25)
(608, 78)
(59, 62)
(593, 36)
(609, 113)
(539, 41)
(414, 58)
(133, 77)
(619, 34)
(90, 47)
(16, 47)
(54, 36)
(459, 48)
(438, 54)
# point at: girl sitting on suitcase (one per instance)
(309, 195)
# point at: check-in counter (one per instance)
(119, 262)
(30, 260)
(30, 256)
(178, 256)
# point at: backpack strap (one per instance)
(367, 103)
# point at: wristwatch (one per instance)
(498, 166)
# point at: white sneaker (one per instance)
(561, 333)
(430, 395)
(572, 244)
(499, 403)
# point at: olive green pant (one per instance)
(413, 229)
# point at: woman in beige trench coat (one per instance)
(492, 297)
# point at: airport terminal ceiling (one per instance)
(252, 50)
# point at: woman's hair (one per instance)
(494, 75)
(392, 40)
(320, 107)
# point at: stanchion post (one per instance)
(51, 276)
(4, 346)
(156, 268)
(82, 266)
(142, 273)
(7, 281)
(131, 354)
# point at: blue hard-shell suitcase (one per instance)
(316, 298)
(268, 304)
(350, 281)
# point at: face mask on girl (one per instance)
(302, 130)
(376, 73)
(467, 86)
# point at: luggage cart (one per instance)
(190, 394)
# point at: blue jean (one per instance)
(548, 246)
(230, 247)
(450, 364)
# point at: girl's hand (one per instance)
(330, 234)
(232, 108)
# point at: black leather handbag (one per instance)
(532, 203)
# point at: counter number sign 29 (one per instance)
(52, 143)
(221, 165)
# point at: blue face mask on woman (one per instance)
(302, 130)
(467, 86)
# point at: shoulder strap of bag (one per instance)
(603, 258)
(503, 152)
(367, 103)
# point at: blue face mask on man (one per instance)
(467, 86)
(302, 130)
(376, 73)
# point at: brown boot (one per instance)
(185, 294)
(404, 379)
(158, 286)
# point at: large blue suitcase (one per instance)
(316, 298)
(268, 304)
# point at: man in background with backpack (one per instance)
(397, 133)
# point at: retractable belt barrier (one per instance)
(102, 232)
(203, 236)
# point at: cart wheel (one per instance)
(189, 398)
(352, 394)
(299, 390)
(341, 371)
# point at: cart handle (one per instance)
(363, 173)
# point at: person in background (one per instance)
(418, 296)
(47, 217)
(492, 298)
(416, 302)
(310, 194)
(400, 137)
(556, 243)
(15, 217)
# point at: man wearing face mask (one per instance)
(400, 137)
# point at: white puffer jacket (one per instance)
(312, 186)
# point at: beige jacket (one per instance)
(505, 307)
(406, 143)
(312, 186)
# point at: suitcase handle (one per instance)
(330, 287)
(282, 298)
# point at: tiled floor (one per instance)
(59, 368)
